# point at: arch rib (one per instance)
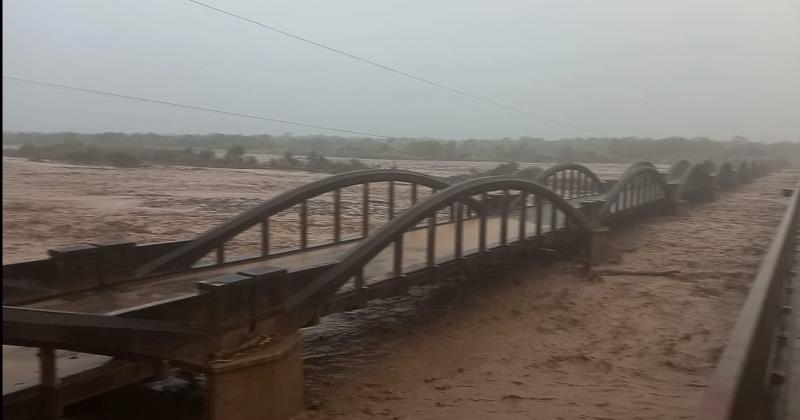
(695, 183)
(597, 187)
(646, 172)
(196, 249)
(677, 170)
(317, 292)
(725, 178)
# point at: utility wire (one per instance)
(186, 106)
(400, 72)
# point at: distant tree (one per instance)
(235, 152)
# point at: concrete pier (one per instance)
(265, 384)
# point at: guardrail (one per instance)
(738, 388)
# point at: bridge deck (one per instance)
(21, 364)
(128, 295)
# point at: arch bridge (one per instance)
(244, 287)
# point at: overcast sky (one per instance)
(712, 68)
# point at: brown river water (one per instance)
(537, 340)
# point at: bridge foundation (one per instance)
(266, 384)
(599, 244)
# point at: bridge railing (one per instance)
(571, 181)
(725, 177)
(541, 212)
(640, 187)
(348, 222)
(738, 388)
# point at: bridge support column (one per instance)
(715, 193)
(266, 384)
(675, 205)
(599, 244)
(678, 208)
(591, 208)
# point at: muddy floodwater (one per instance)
(52, 204)
(537, 340)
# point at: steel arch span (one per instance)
(641, 186)
(215, 238)
(351, 264)
(725, 178)
(696, 184)
(677, 170)
(571, 180)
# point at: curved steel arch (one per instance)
(598, 186)
(332, 280)
(637, 171)
(639, 164)
(196, 249)
(568, 166)
(695, 183)
(677, 169)
(725, 178)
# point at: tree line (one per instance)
(523, 149)
(76, 152)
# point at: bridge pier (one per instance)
(715, 193)
(266, 384)
(599, 244)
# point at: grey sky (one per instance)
(635, 67)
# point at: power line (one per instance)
(400, 72)
(185, 106)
